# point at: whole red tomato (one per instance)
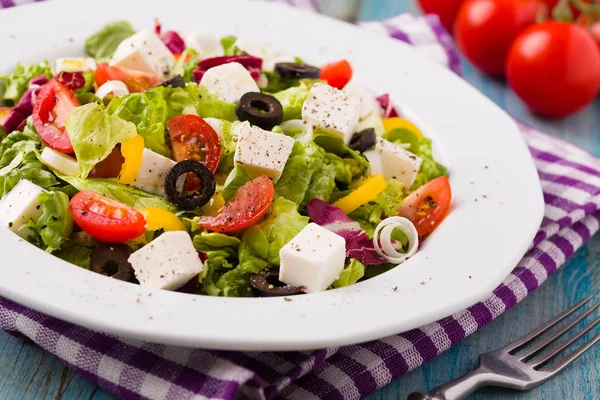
(447, 10)
(554, 68)
(485, 29)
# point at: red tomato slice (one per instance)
(106, 219)
(192, 138)
(427, 206)
(53, 105)
(246, 208)
(136, 81)
(110, 167)
(337, 74)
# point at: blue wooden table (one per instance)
(26, 372)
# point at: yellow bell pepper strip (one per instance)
(132, 150)
(157, 218)
(395, 123)
(365, 193)
(214, 205)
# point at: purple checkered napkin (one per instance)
(134, 370)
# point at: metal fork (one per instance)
(509, 367)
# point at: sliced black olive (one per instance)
(197, 199)
(298, 71)
(267, 284)
(176, 81)
(260, 109)
(112, 259)
(363, 140)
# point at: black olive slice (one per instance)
(197, 199)
(260, 109)
(267, 284)
(176, 81)
(112, 259)
(363, 140)
(298, 71)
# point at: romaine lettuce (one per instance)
(53, 228)
(321, 185)
(102, 44)
(94, 133)
(302, 164)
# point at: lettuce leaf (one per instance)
(236, 178)
(351, 274)
(292, 100)
(260, 246)
(210, 106)
(302, 164)
(229, 47)
(75, 254)
(321, 185)
(186, 64)
(53, 228)
(148, 111)
(369, 215)
(372, 121)
(430, 169)
(102, 44)
(16, 84)
(129, 195)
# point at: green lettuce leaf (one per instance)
(351, 274)
(148, 111)
(94, 133)
(228, 146)
(186, 64)
(210, 106)
(430, 169)
(102, 44)
(75, 254)
(292, 100)
(278, 84)
(129, 195)
(53, 228)
(229, 47)
(222, 252)
(17, 82)
(260, 247)
(321, 185)
(372, 121)
(236, 178)
(84, 94)
(302, 164)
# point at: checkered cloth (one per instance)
(133, 370)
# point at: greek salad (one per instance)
(178, 161)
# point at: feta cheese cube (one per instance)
(153, 172)
(312, 260)
(79, 64)
(117, 88)
(393, 162)
(20, 205)
(206, 45)
(168, 262)
(144, 51)
(332, 111)
(368, 102)
(60, 162)
(229, 82)
(262, 152)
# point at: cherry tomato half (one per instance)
(106, 219)
(554, 68)
(250, 203)
(337, 74)
(446, 10)
(485, 29)
(52, 107)
(192, 138)
(427, 206)
(136, 81)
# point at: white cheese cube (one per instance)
(262, 152)
(229, 82)
(153, 172)
(312, 260)
(206, 45)
(332, 110)
(393, 162)
(368, 102)
(117, 88)
(144, 51)
(168, 262)
(60, 162)
(20, 205)
(79, 64)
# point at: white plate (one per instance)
(496, 210)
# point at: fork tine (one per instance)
(542, 345)
(541, 362)
(562, 364)
(535, 333)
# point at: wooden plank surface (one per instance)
(27, 372)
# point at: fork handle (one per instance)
(457, 389)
